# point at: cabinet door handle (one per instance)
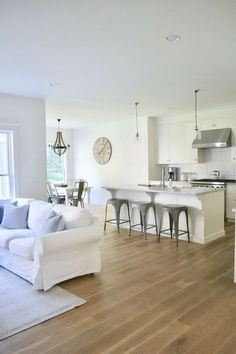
(213, 125)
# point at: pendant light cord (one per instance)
(195, 92)
(58, 124)
(136, 112)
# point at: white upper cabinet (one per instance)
(191, 155)
(217, 123)
(174, 140)
(174, 143)
(233, 132)
(163, 143)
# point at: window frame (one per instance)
(10, 160)
(64, 166)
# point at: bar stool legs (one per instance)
(117, 204)
(143, 208)
(174, 213)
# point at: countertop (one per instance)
(159, 189)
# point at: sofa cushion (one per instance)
(39, 212)
(23, 201)
(15, 217)
(54, 223)
(3, 202)
(23, 247)
(73, 216)
(7, 235)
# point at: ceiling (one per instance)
(100, 56)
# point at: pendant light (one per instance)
(59, 146)
(137, 136)
(197, 131)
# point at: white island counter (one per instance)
(205, 205)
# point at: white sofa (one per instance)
(47, 259)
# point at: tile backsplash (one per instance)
(212, 159)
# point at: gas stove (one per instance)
(208, 182)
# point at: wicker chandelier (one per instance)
(59, 147)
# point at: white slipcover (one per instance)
(23, 247)
(57, 256)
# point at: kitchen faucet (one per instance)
(162, 184)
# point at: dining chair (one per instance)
(78, 193)
(70, 182)
(49, 192)
(53, 195)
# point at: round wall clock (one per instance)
(102, 150)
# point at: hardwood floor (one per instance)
(149, 298)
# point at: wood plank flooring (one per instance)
(149, 298)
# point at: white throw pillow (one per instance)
(74, 216)
(15, 217)
(39, 211)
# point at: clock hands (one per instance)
(100, 151)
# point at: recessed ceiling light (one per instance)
(53, 84)
(173, 38)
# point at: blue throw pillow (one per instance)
(2, 203)
(15, 217)
(54, 223)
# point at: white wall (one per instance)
(27, 117)
(129, 161)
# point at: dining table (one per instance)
(67, 190)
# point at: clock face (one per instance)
(102, 150)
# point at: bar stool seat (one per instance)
(174, 213)
(143, 208)
(117, 203)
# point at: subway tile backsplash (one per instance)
(212, 159)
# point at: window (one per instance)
(55, 166)
(7, 189)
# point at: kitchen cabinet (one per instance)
(233, 132)
(174, 143)
(230, 200)
(217, 123)
(170, 147)
(233, 154)
(190, 154)
(163, 144)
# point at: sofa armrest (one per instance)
(61, 240)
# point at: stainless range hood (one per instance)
(213, 139)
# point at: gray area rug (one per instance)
(22, 307)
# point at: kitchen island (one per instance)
(205, 207)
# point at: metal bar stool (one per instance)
(117, 204)
(143, 209)
(174, 212)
